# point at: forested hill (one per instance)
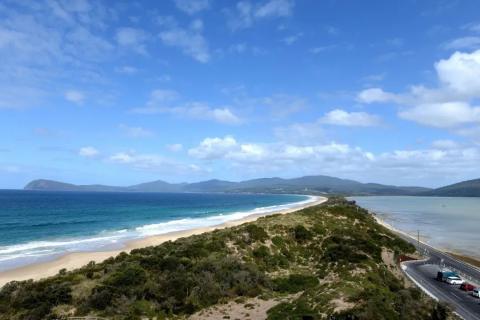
(302, 185)
(470, 188)
(331, 261)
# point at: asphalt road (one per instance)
(425, 272)
(467, 306)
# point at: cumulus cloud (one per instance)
(245, 13)
(75, 96)
(448, 105)
(88, 152)
(192, 6)
(444, 158)
(442, 115)
(372, 95)
(461, 73)
(350, 119)
(189, 40)
(212, 148)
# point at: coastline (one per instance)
(474, 261)
(76, 260)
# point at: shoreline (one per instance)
(76, 260)
(473, 261)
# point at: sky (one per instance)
(124, 92)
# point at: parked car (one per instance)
(454, 280)
(467, 286)
(476, 292)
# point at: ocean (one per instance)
(449, 223)
(40, 226)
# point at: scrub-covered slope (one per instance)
(331, 261)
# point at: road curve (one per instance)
(424, 273)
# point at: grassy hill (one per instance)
(331, 261)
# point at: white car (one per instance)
(476, 292)
(454, 280)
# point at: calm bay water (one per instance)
(448, 223)
(39, 226)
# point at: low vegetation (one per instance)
(328, 258)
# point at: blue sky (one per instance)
(122, 92)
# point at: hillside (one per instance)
(470, 188)
(329, 261)
(303, 185)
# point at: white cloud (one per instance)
(132, 38)
(176, 147)
(192, 6)
(275, 8)
(448, 105)
(350, 119)
(372, 95)
(135, 132)
(461, 73)
(197, 110)
(446, 159)
(88, 152)
(442, 115)
(161, 102)
(463, 43)
(213, 148)
(153, 162)
(246, 13)
(75, 96)
(189, 40)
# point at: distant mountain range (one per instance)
(303, 185)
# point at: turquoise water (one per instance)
(444, 222)
(39, 226)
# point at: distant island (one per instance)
(304, 185)
(317, 185)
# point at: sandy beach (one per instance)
(76, 260)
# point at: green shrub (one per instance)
(256, 233)
(295, 283)
(301, 233)
(297, 310)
